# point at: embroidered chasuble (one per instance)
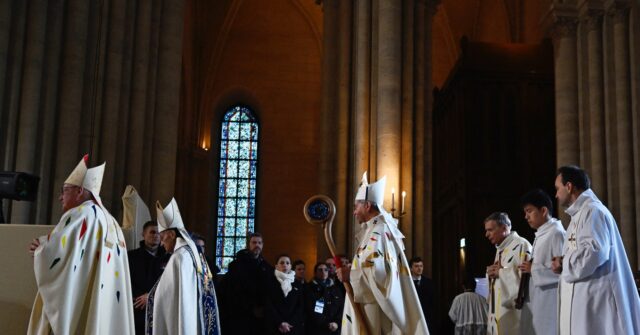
(382, 283)
(504, 318)
(82, 274)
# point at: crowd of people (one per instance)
(256, 298)
(577, 281)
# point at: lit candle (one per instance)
(404, 195)
(393, 193)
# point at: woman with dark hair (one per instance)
(324, 301)
(284, 305)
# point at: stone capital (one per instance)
(564, 27)
(619, 10)
(561, 21)
(591, 14)
(592, 20)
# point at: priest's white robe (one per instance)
(540, 312)
(177, 303)
(82, 273)
(504, 318)
(382, 283)
(597, 291)
(469, 312)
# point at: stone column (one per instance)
(361, 89)
(345, 188)
(389, 81)
(624, 130)
(593, 25)
(329, 109)
(567, 128)
(421, 201)
(409, 42)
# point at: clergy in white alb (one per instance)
(379, 272)
(597, 291)
(183, 300)
(469, 311)
(539, 313)
(504, 275)
(81, 267)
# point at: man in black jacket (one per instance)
(424, 287)
(242, 290)
(146, 264)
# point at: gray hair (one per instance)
(500, 218)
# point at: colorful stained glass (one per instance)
(254, 132)
(233, 148)
(230, 207)
(245, 150)
(229, 247)
(242, 208)
(225, 262)
(232, 169)
(232, 187)
(219, 244)
(254, 168)
(237, 183)
(223, 168)
(243, 188)
(221, 209)
(241, 227)
(243, 168)
(229, 227)
(220, 226)
(234, 130)
(245, 131)
(240, 244)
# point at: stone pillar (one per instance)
(409, 42)
(624, 130)
(329, 111)
(389, 129)
(565, 52)
(344, 186)
(361, 89)
(421, 201)
(592, 23)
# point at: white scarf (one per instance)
(285, 280)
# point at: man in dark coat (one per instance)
(242, 290)
(145, 265)
(424, 287)
(324, 302)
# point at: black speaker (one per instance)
(18, 186)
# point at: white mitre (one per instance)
(169, 218)
(372, 192)
(89, 179)
(375, 193)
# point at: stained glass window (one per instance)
(237, 185)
